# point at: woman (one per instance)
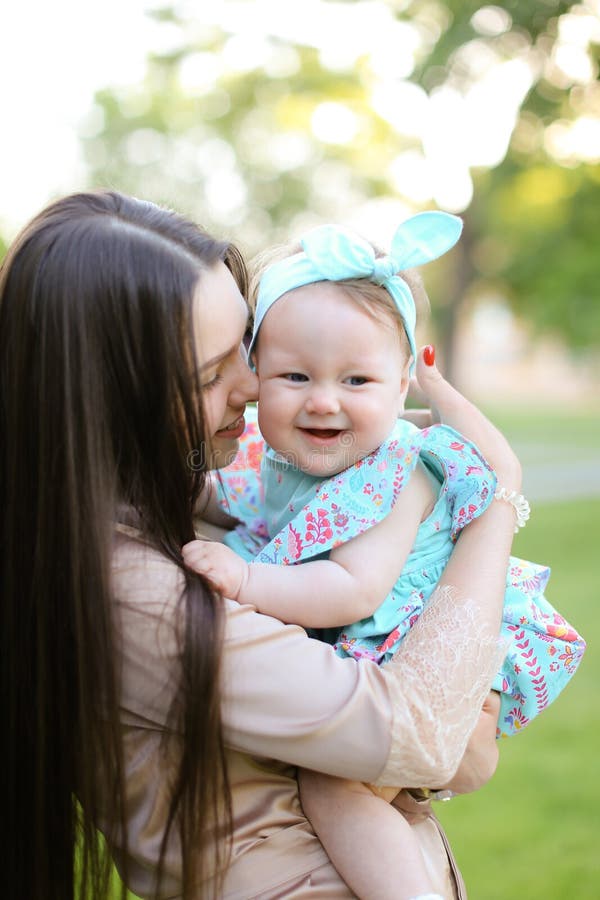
(176, 717)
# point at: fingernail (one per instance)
(429, 355)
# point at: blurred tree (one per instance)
(268, 118)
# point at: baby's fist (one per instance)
(224, 568)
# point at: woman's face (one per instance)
(220, 316)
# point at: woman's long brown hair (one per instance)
(97, 409)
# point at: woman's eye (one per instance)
(295, 376)
(356, 380)
(218, 378)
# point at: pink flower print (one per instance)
(388, 642)
(368, 488)
(516, 718)
(452, 470)
(382, 466)
(531, 584)
(255, 455)
(456, 445)
(554, 667)
(517, 669)
(340, 520)
(277, 543)
(562, 629)
(237, 484)
(294, 543)
(318, 530)
(474, 470)
(345, 642)
(552, 650)
(377, 499)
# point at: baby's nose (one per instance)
(323, 401)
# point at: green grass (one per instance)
(532, 832)
(557, 431)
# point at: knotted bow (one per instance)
(334, 253)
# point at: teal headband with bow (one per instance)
(334, 253)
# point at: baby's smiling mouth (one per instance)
(323, 432)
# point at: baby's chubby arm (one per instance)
(347, 587)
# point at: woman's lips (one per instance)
(234, 430)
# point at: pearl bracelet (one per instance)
(518, 502)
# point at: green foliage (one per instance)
(238, 151)
(543, 231)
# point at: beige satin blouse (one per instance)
(287, 701)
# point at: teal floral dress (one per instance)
(288, 517)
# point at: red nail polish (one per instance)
(429, 355)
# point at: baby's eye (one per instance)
(295, 376)
(356, 380)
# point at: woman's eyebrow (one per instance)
(217, 359)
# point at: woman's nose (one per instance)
(246, 386)
(322, 401)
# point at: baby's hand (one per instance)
(224, 568)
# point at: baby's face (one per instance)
(332, 379)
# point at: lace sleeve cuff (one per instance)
(437, 682)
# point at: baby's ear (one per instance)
(405, 378)
(404, 386)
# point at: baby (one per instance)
(371, 507)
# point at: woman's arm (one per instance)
(349, 586)
(452, 653)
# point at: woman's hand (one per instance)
(481, 756)
(456, 411)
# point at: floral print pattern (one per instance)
(543, 652)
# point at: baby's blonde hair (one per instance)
(373, 298)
